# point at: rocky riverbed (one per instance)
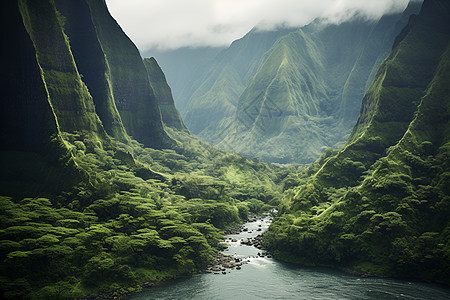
(245, 242)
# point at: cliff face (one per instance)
(25, 101)
(91, 62)
(69, 69)
(131, 88)
(391, 102)
(163, 94)
(44, 95)
(380, 204)
(69, 96)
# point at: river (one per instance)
(266, 278)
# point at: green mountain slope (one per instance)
(91, 63)
(306, 94)
(69, 96)
(380, 205)
(213, 102)
(31, 144)
(86, 210)
(133, 94)
(163, 94)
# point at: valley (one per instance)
(110, 183)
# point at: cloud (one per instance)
(171, 24)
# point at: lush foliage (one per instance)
(84, 208)
(381, 205)
(126, 224)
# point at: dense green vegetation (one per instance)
(87, 209)
(126, 224)
(381, 204)
(84, 208)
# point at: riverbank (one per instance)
(249, 273)
(222, 263)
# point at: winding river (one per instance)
(266, 278)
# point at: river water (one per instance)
(266, 278)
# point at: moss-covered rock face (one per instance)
(84, 208)
(44, 94)
(27, 119)
(163, 94)
(133, 95)
(380, 205)
(91, 62)
(65, 78)
(68, 95)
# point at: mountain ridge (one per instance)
(378, 206)
(218, 109)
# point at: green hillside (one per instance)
(213, 101)
(380, 205)
(85, 209)
(306, 94)
(103, 190)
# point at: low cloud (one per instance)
(171, 24)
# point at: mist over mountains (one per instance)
(286, 95)
(106, 189)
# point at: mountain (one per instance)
(99, 198)
(183, 67)
(163, 94)
(379, 205)
(103, 191)
(79, 84)
(214, 99)
(44, 95)
(284, 96)
(133, 94)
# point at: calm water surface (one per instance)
(266, 278)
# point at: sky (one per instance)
(172, 24)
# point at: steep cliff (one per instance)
(44, 95)
(380, 204)
(85, 210)
(91, 62)
(66, 80)
(133, 95)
